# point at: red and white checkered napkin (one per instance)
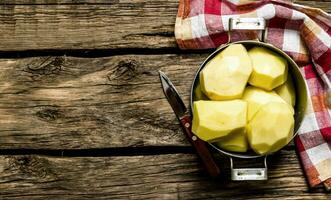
(302, 32)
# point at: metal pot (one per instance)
(299, 84)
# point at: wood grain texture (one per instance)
(89, 24)
(176, 176)
(57, 103)
(81, 103)
(118, 24)
(71, 103)
(96, 2)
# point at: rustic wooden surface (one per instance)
(70, 102)
(82, 114)
(89, 24)
(175, 176)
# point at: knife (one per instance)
(184, 117)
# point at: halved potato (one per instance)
(257, 97)
(269, 68)
(236, 142)
(226, 75)
(213, 120)
(287, 91)
(271, 128)
(198, 94)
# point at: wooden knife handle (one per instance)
(200, 146)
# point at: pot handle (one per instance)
(257, 23)
(245, 174)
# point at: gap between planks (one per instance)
(98, 53)
(116, 151)
(176, 176)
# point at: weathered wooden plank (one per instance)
(58, 2)
(71, 103)
(74, 103)
(95, 2)
(125, 24)
(176, 176)
(62, 24)
(322, 4)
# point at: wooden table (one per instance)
(82, 114)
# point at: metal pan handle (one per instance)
(246, 174)
(247, 24)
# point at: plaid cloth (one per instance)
(300, 31)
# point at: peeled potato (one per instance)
(269, 68)
(198, 94)
(256, 98)
(236, 117)
(235, 142)
(287, 91)
(226, 75)
(213, 120)
(271, 128)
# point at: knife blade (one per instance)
(184, 118)
(172, 96)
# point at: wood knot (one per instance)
(49, 114)
(124, 70)
(32, 166)
(45, 67)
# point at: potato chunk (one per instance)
(256, 98)
(235, 142)
(269, 68)
(213, 120)
(271, 128)
(198, 94)
(226, 75)
(287, 91)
